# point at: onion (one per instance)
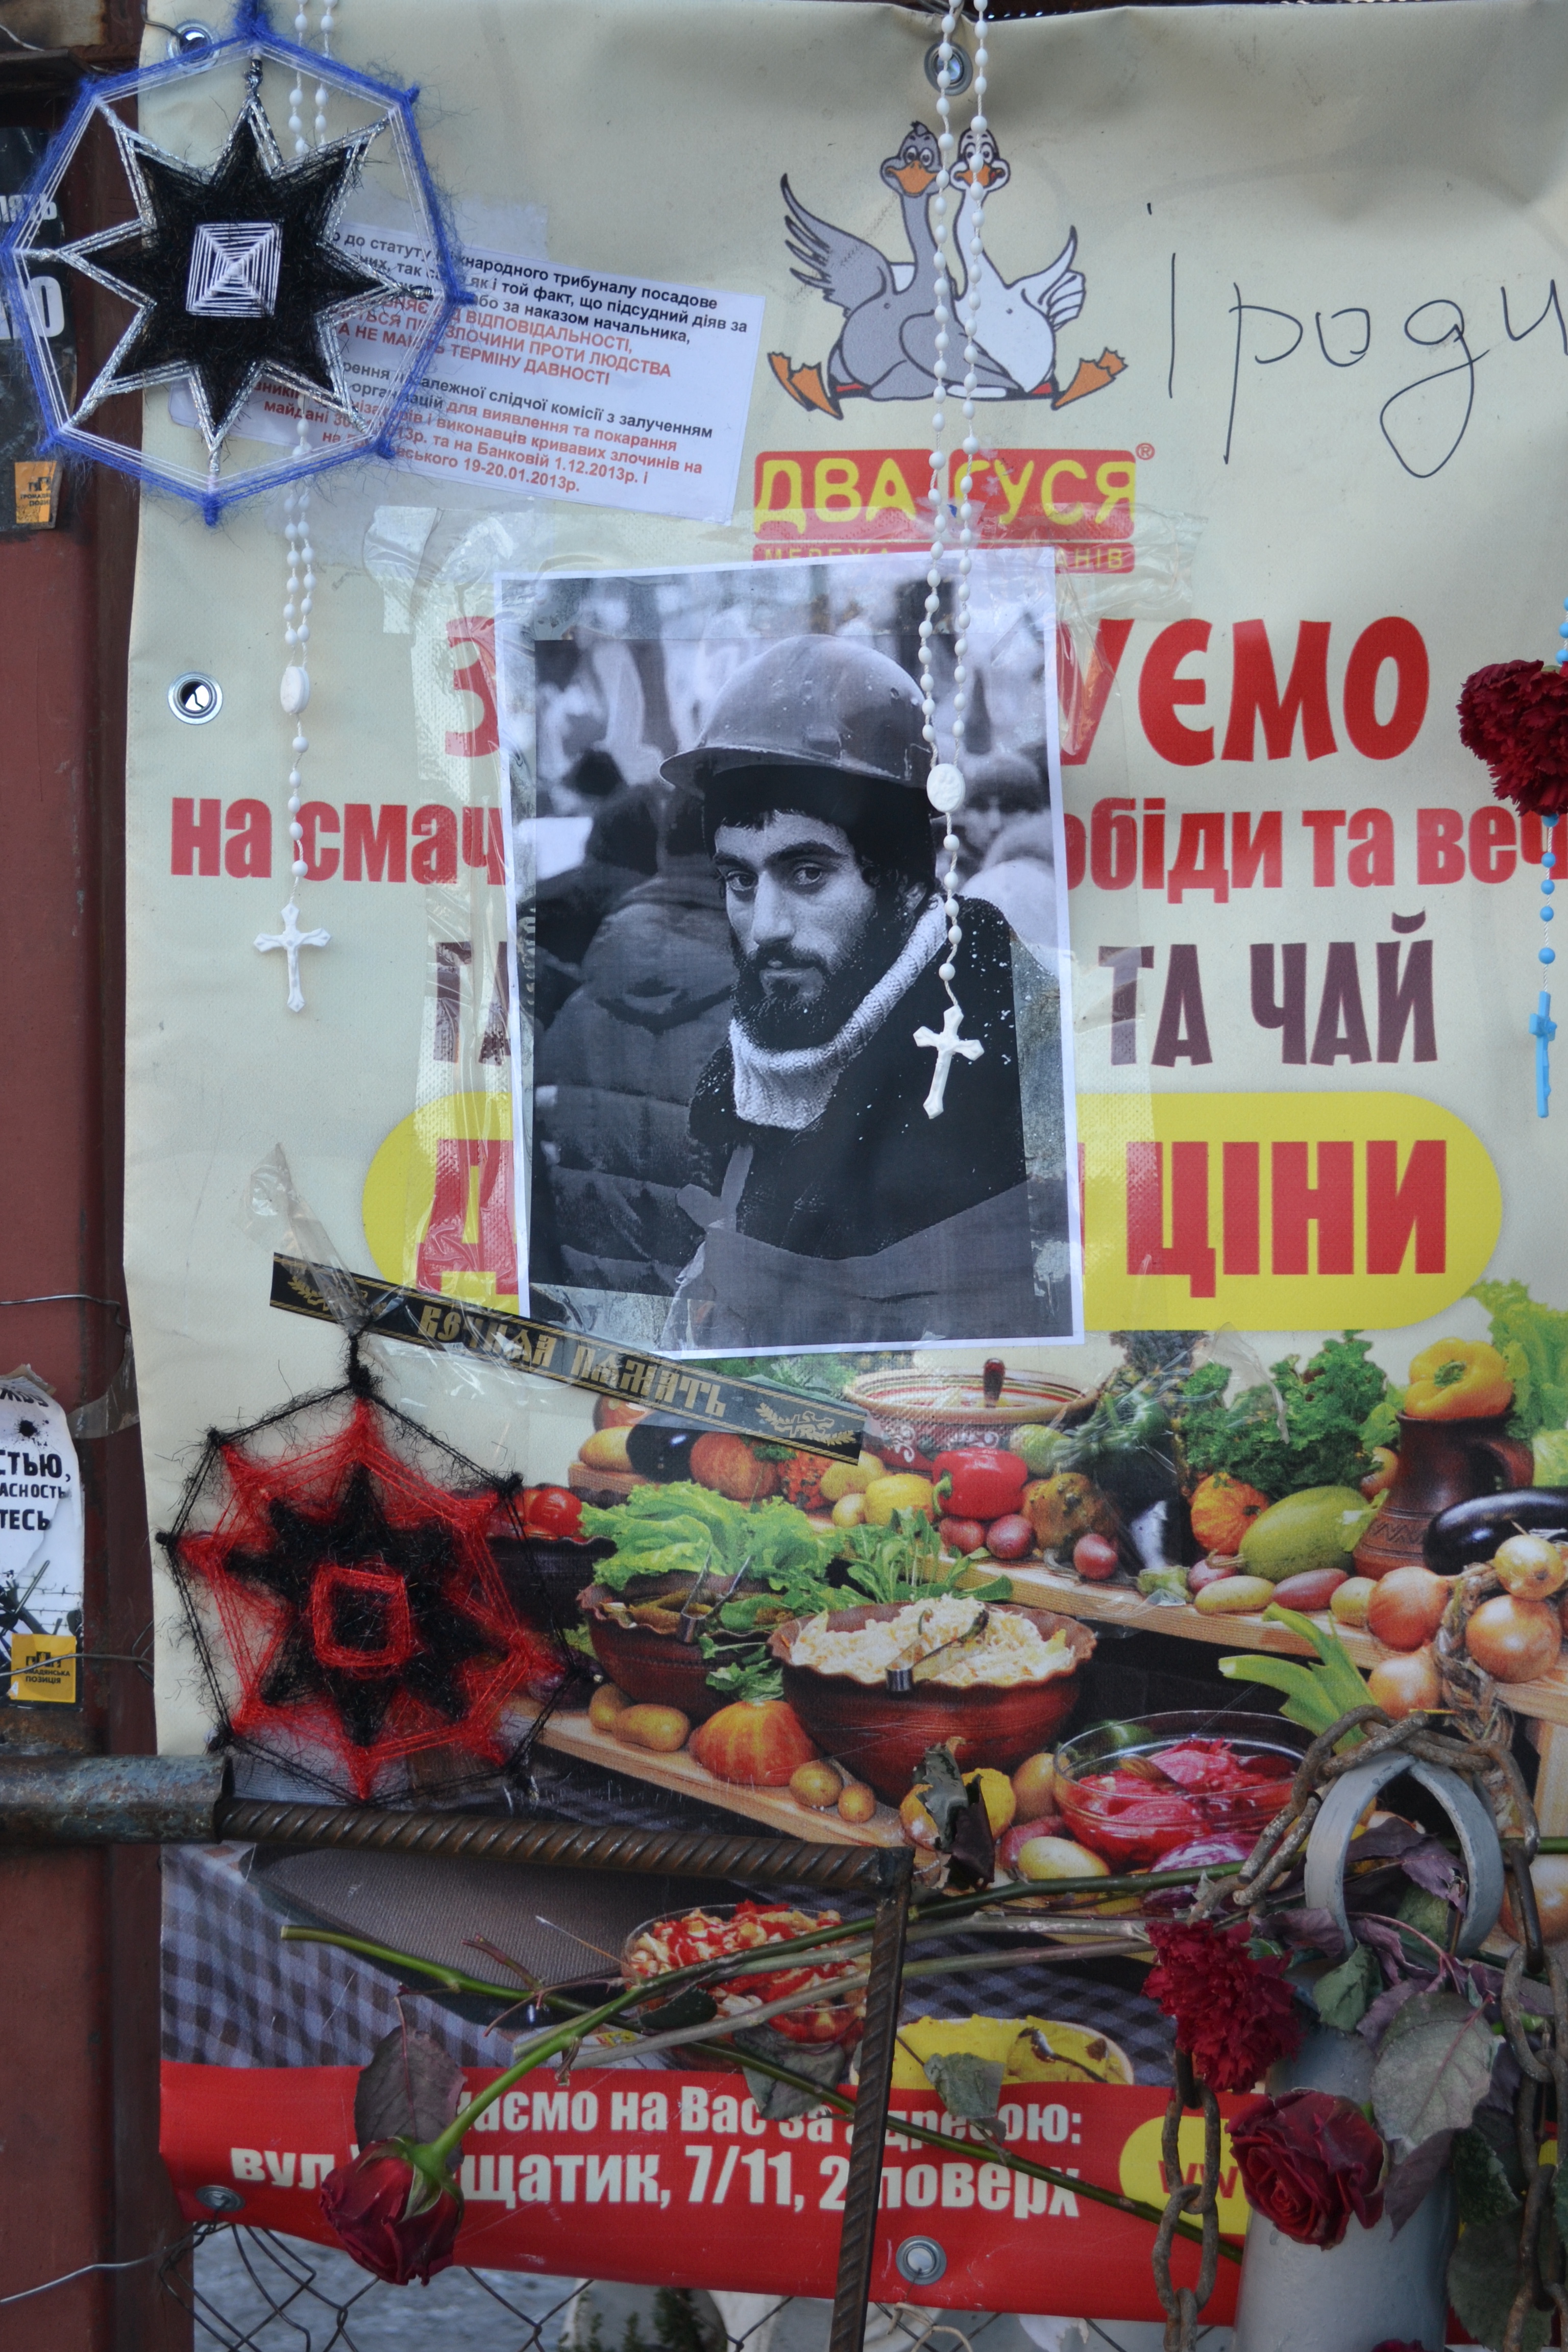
(1514, 1640)
(1406, 1685)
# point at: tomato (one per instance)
(552, 1513)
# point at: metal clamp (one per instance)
(1328, 1847)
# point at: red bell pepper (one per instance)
(984, 1482)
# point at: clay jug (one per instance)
(1441, 1462)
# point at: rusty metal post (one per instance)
(858, 2238)
(79, 2177)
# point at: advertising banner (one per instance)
(601, 861)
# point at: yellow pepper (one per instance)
(1458, 1380)
(903, 1492)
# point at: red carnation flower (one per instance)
(1235, 2015)
(1309, 2162)
(1514, 716)
(398, 2216)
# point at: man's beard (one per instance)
(781, 1023)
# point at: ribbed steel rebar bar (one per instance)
(858, 2239)
(500, 1837)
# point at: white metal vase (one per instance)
(1372, 2286)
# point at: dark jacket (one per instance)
(874, 1169)
(614, 1076)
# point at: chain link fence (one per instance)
(253, 2291)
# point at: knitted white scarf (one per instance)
(791, 1090)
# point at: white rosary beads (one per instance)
(945, 785)
(294, 692)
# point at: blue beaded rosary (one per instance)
(1543, 1027)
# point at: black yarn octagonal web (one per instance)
(149, 262)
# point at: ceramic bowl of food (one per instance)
(1002, 1696)
(1132, 1793)
(638, 1641)
(933, 1411)
(721, 1930)
(543, 1579)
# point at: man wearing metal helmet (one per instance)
(832, 1209)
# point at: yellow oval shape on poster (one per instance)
(1280, 1212)
(439, 1203)
(1143, 2176)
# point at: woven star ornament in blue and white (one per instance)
(239, 277)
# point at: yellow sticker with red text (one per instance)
(1280, 1212)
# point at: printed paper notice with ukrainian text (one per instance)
(558, 384)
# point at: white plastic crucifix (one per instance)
(291, 939)
(945, 1046)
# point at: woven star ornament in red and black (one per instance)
(338, 1556)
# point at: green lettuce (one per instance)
(1534, 1343)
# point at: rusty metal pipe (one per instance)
(55, 1801)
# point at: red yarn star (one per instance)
(360, 1603)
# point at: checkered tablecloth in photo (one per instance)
(235, 1995)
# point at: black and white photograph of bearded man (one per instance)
(734, 944)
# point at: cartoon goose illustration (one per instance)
(1018, 322)
(887, 347)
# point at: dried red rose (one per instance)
(1235, 2015)
(396, 2215)
(1514, 716)
(1308, 2164)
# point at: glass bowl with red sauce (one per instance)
(1132, 1793)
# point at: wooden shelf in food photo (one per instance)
(1039, 1587)
(571, 1734)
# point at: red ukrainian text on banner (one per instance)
(664, 2178)
(872, 501)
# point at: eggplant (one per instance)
(659, 1448)
(1469, 1533)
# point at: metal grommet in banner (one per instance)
(188, 39)
(1328, 1847)
(959, 72)
(196, 698)
(219, 2200)
(921, 2261)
